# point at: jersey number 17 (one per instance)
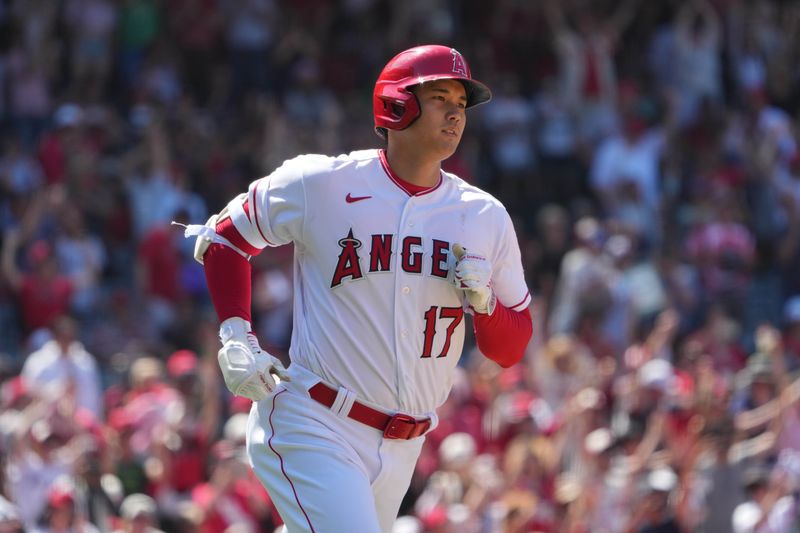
(454, 314)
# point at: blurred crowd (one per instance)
(647, 152)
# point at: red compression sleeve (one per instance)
(503, 335)
(228, 274)
(228, 278)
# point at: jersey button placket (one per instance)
(401, 308)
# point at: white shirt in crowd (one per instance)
(53, 372)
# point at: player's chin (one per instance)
(448, 145)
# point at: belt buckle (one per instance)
(400, 426)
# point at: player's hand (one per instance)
(472, 273)
(247, 369)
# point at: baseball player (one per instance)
(390, 253)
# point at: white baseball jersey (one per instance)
(374, 310)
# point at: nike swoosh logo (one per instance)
(350, 198)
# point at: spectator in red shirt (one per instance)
(184, 446)
(231, 497)
(56, 145)
(43, 294)
(723, 249)
(158, 267)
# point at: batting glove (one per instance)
(247, 369)
(472, 273)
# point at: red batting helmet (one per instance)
(395, 107)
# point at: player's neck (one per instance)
(413, 167)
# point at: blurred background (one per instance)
(647, 152)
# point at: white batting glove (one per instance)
(473, 273)
(246, 368)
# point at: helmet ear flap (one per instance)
(393, 109)
(412, 109)
(398, 107)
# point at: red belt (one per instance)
(399, 426)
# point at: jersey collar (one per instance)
(409, 188)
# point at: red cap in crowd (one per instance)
(181, 362)
(59, 496)
(119, 419)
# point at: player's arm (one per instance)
(227, 268)
(502, 333)
(269, 214)
(225, 253)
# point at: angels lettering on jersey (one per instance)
(381, 250)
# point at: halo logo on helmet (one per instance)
(459, 67)
(394, 105)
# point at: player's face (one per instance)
(442, 119)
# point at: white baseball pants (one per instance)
(326, 473)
